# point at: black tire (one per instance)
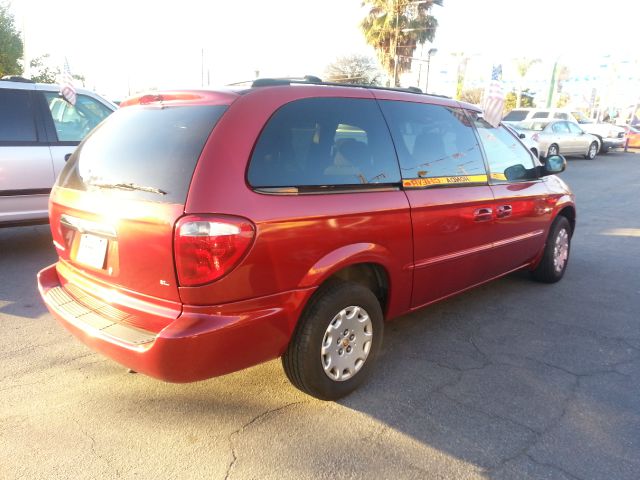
(602, 149)
(547, 271)
(553, 150)
(303, 361)
(592, 152)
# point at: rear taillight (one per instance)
(535, 137)
(208, 247)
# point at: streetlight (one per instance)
(432, 51)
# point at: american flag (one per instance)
(67, 90)
(494, 98)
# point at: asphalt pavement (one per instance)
(513, 380)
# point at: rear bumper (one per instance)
(609, 143)
(203, 342)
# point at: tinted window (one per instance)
(324, 141)
(433, 141)
(74, 122)
(17, 122)
(516, 115)
(146, 153)
(503, 150)
(540, 115)
(562, 116)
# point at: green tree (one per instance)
(41, 70)
(522, 67)
(472, 95)
(510, 100)
(356, 69)
(11, 48)
(394, 28)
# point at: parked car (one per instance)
(559, 136)
(202, 232)
(525, 137)
(38, 131)
(633, 136)
(609, 136)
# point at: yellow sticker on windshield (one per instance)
(428, 182)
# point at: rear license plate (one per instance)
(92, 250)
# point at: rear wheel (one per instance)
(593, 150)
(336, 342)
(556, 252)
(553, 150)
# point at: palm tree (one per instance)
(395, 28)
(522, 66)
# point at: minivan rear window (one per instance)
(143, 152)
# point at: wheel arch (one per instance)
(363, 263)
(569, 212)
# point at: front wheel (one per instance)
(593, 150)
(556, 252)
(553, 150)
(336, 342)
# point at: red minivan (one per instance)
(202, 232)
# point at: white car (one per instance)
(38, 132)
(561, 137)
(609, 136)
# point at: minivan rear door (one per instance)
(115, 203)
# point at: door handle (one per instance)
(504, 211)
(483, 214)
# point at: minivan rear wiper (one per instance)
(129, 186)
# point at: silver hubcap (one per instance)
(561, 250)
(553, 151)
(346, 343)
(592, 151)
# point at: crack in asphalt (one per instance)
(554, 467)
(93, 448)
(247, 425)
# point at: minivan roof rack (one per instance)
(16, 78)
(313, 80)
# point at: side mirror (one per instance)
(554, 164)
(515, 172)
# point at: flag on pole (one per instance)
(67, 90)
(494, 98)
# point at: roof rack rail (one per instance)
(16, 78)
(313, 80)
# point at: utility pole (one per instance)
(552, 88)
(395, 45)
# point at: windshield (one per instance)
(143, 152)
(581, 118)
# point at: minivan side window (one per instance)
(17, 119)
(503, 150)
(318, 142)
(74, 122)
(435, 144)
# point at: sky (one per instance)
(125, 46)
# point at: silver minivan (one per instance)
(39, 130)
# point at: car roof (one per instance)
(25, 84)
(277, 87)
